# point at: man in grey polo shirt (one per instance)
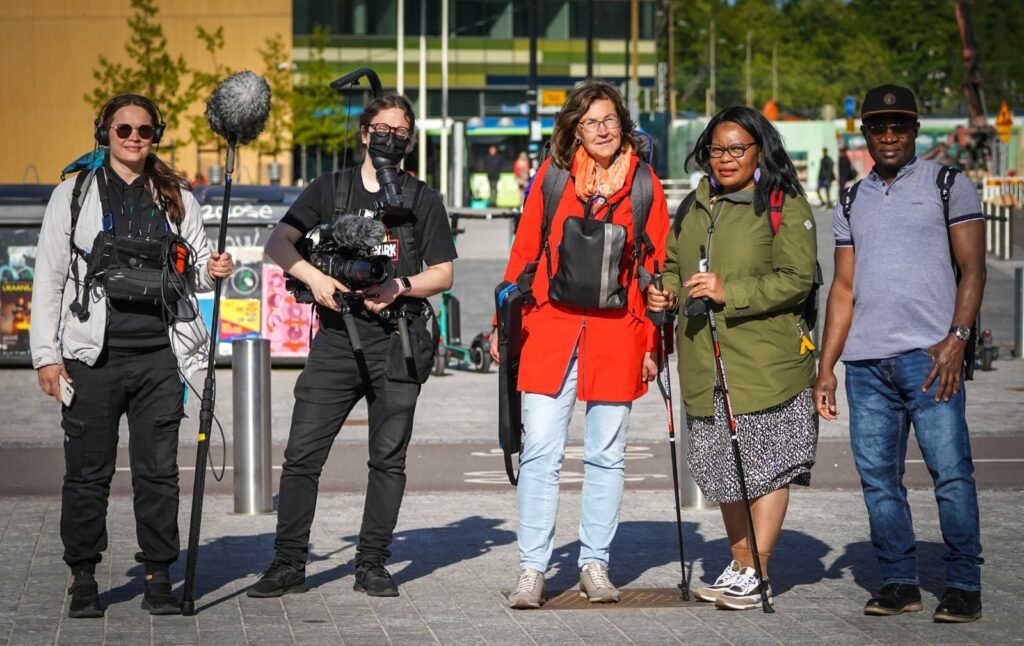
(900, 322)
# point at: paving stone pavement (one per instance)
(455, 556)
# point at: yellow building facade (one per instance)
(49, 49)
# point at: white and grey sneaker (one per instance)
(595, 586)
(744, 593)
(529, 592)
(721, 584)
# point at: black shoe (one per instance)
(280, 578)
(373, 579)
(85, 597)
(158, 598)
(958, 606)
(895, 599)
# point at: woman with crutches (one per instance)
(745, 280)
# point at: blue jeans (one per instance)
(546, 421)
(885, 397)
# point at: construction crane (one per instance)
(970, 146)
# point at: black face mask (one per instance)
(386, 149)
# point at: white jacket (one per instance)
(56, 333)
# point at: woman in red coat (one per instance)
(602, 356)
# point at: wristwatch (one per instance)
(405, 283)
(962, 332)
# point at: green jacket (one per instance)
(760, 328)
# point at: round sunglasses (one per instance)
(124, 130)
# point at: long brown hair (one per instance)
(563, 136)
(168, 182)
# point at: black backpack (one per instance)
(944, 182)
(775, 202)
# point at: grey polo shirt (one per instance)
(903, 286)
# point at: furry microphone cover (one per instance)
(238, 108)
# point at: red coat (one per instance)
(611, 342)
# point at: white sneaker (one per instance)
(595, 586)
(721, 584)
(744, 593)
(529, 592)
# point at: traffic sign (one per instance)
(1004, 123)
(553, 98)
(849, 106)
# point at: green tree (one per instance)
(278, 72)
(151, 70)
(202, 86)
(318, 119)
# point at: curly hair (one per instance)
(168, 182)
(563, 136)
(777, 170)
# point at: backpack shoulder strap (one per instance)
(342, 183)
(945, 180)
(555, 180)
(641, 198)
(681, 211)
(412, 192)
(848, 196)
(82, 183)
(775, 202)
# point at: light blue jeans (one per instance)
(546, 422)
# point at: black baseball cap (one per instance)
(888, 98)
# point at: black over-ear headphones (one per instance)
(102, 134)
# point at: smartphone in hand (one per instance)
(67, 393)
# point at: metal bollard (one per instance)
(1018, 312)
(690, 494)
(251, 433)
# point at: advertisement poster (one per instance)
(15, 316)
(239, 319)
(285, 322)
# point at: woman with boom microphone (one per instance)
(103, 351)
(590, 343)
(757, 280)
(338, 373)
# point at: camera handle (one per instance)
(403, 333)
(350, 322)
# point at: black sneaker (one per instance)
(158, 598)
(958, 606)
(282, 577)
(894, 599)
(374, 580)
(85, 597)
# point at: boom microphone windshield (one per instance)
(238, 108)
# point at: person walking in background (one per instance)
(493, 164)
(903, 344)
(571, 351)
(757, 280)
(846, 173)
(826, 175)
(522, 172)
(119, 352)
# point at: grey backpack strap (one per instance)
(555, 180)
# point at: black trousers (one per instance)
(329, 387)
(144, 383)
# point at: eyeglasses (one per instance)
(736, 151)
(610, 122)
(382, 129)
(901, 129)
(124, 130)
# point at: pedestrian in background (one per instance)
(522, 172)
(493, 164)
(826, 175)
(846, 173)
(757, 282)
(124, 356)
(900, 321)
(571, 352)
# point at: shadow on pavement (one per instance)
(859, 559)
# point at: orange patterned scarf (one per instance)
(591, 179)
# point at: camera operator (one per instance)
(341, 369)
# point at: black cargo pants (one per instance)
(329, 387)
(144, 383)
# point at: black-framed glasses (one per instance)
(382, 129)
(736, 151)
(611, 122)
(901, 129)
(124, 130)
